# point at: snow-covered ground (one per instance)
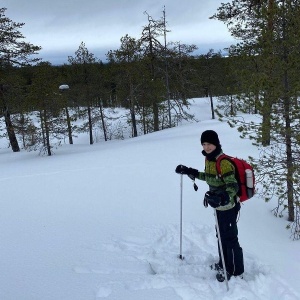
(87, 222)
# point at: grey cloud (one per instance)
(60, 26)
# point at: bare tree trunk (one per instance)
(11, 132)
(155, 116)
(212, 106)
(69, 126)
(9, 126)
(90, 126)
(132, 113)
(42, 128)
(48, 146)
(144, 119)
(289, 159)
(102, 120)
(166, 69)
(288, 138)
(133, 120)
(266, 121)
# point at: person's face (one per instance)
(208, 148)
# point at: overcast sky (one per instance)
(59, 26)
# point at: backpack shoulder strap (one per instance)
(218, 162)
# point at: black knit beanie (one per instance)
(211, 137)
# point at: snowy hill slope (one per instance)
(85, 224)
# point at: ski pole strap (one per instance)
(195, 186)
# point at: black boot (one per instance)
(217, 267)
(221, 277)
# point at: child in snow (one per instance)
(222, 196)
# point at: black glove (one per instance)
(181, 169)
(192, 173)
(216, 199)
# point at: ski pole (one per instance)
(221, 250)
(181, 189)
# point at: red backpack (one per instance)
(244, 175)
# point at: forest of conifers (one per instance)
(150, 78)
(85, 87)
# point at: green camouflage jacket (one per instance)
(227, 183)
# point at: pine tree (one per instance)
(129, 71)
(153, 53)
(270, 33)
(84, 79)
(14, 51)
(45, 98)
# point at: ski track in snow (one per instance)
(148, 267)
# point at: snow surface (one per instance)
(87, 222)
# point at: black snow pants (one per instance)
(233, 253)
